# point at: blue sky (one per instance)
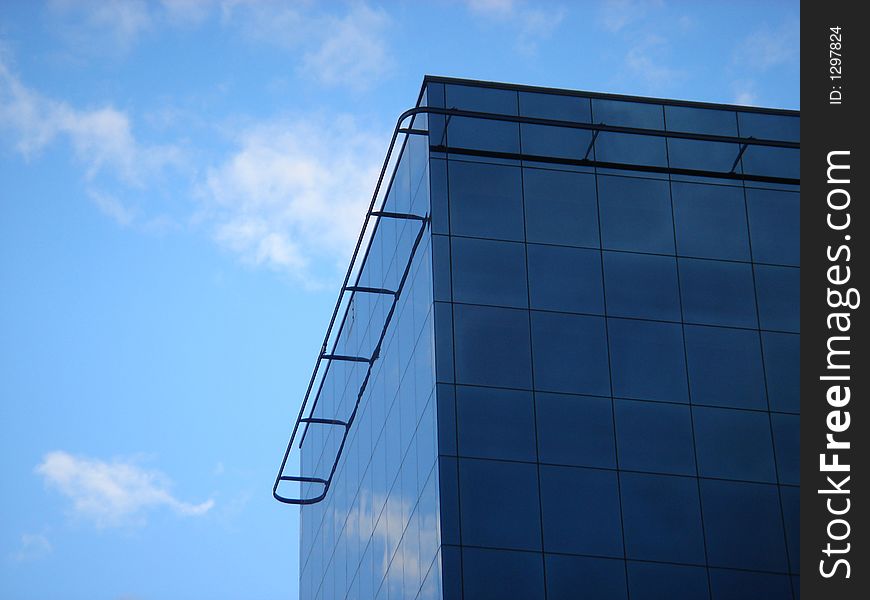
(182, 182)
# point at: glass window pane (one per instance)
(655, 436)
(627, 114)
(717, 293)
(565, 279)
(555, 106)
(771, 161)
(641, 285)
(483, 134)
(485, 200)
(710, 221)
(489, 272)
(735, 512)
(725, 367)
(786, 438)
(778, 291)
(481, 99)
(648, 360)
(662, 518)
(629, 149)
(502, 574)
(652, 581)
(444, 342)
(594, 530)
(448, 481)
(570, 353)
(561, 207)
(492, 346)
(494, 493)
(602, 578)
(446, 400)
(703, 155)
(575, 430)
(438, 195)
(774, 222)
(791, 513)
(782, 368)
(740, 585)
(770, 127)
(496, 423)
(441, 268)
(734, 444)
(701, 120)
(559, 142)
(636, 214)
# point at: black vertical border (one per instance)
(828, 127)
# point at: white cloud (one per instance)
(112, 493)
(101, 138)
(769, 47)
(645, 60)
(349, 48)
(532, 24)
(120, 21)
(353, 53)
(294, 194)
(745, 92)
(615, 15)
(33, 546)
(112, 207)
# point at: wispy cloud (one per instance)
(335, 48)
(616, 15)
(532, 24)
(647, 60)
(770, 47)
(88, 22)
(101, 138)
(112, 493)
(33, 546)
(293, 195)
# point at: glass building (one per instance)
(565, 361)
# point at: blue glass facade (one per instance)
(591, 390)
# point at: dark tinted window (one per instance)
(554, 106)
(575, 430)
(485, 200)
(496, 423)
(791, 513)
(629, 149)
(561, 207)
(441, 267)
(446, 405)
(734, 444)
(771, 162)
(786, 438)
(651, 581)
(502, 574)
(741, 585)
(655, 436)
(492, 346)
(700, 120)
(627, 114)
(662, 518)
(647, 360)
(703, 156)
(636, 214)
(725, 367)
(782, 368)
(481, 99)
(770, 127)
(444, 342)
(570, 353)
(493, 493)
(710, 221)
(483, 134)
(601, 578)
(774, 222)
(565, 279)
(561, 142)
(489, 272)
(735, 512)
(593, 530)
(641, 285)
(778, 291)
(717, 293)
(448, 481)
